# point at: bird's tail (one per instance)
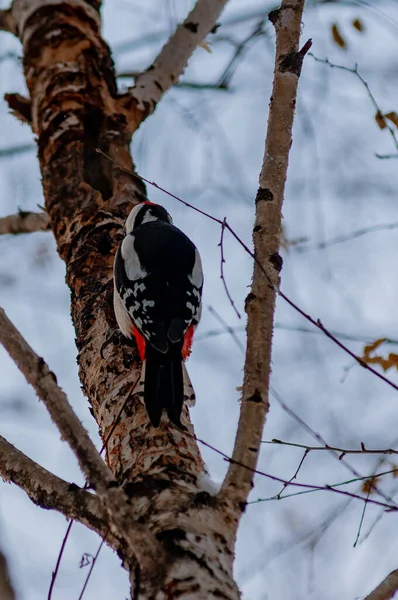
(164, 384)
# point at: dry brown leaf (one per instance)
(369, 486)
(380, 120)
(393, 117)
(337, 37)
(395, 470)
(359, 26)
(385, 363)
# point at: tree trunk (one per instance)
(74, 110)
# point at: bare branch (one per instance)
(24, 222)
(6, 590)
(170, 64)
(7, 22)
(260, 303)
(386, 589)
(142, 543)
(49, 491)
(45, 384)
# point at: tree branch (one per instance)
(142, 543)
(45, 384)
(170, 63)
(24, 222)
(386, 589)
(6, 590)
(49, 491)
(260, 303)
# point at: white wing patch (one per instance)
(196, 277)
(132, 265)
(121, 313)
(129, 226)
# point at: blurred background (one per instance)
(205, 143)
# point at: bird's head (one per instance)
(145, 213)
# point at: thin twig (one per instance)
(307, 486)
(376, 106)
(285, 485)
(320, 439)
(363, 512)
(58, 563)
(221, 245)
(334, 485)
(94, 560)
(341, 451)
(344, 238)
(227, 328)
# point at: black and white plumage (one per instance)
(158, 282)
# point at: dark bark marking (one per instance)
(276, 261)
(249, 298)
(256, 397)
(273, 16)
(191, 27)
(264, 194)
(292, 63)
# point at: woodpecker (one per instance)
(158, 282)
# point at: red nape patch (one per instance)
(148, 202)
(188, 339)
(140, 343)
